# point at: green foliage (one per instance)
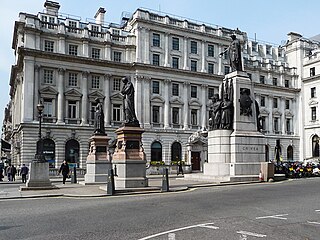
(157, 163)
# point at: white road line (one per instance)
(317, 210)
(279, 216)
(179, 229)
(314, 223)
(252, 234)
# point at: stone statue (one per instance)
(234, 54)
(216, 112)
(245, 102)
(227, 113)
(99, 118)
(258, 117)
(128, 103)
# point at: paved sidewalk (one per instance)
(11, 190)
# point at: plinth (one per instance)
(236, 154)
(38, 177)
(98, 160)
(130, 158)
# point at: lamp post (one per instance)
(39, 157)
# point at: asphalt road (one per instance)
(287, 210)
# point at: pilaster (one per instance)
(60, 85)
(84, 105)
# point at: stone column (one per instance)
(36, 93)
(84, 105)
(203, 106)
(270, 114)
(147, 46)
(282, 117)
(185, 54)
(60, 85)
(107, 52)
(28, 87)
(203, 56)
(166, 53)
(107, 103)
(85, 48)
(146, 101)
(220, 71)
(166, 104)
(138, 44)
(185, 105)
(137, 97)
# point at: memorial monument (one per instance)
(98, 159)
(236, 147)
(129, 154)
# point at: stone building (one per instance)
(175, 67)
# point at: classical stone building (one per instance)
(175, 67)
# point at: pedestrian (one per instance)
(1, 174)
(13, 172)
(64, 169)
(9, 172)
(180, 169)
(23, 172)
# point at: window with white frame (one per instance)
(72, 26)
(175, 43)
(155, 114)
(276, 124)
(313, 92)
(262, 101)
(48, 46)
(194, 117)
(117, 56)
(73, 79)
(73, 49)
(175, 62)
(94, 31)
(210, 68)
(263, 123)
(95, 53)
(210, 92)
(288, 125)
(287, 104)
(95, 82)
(47, 76)
(313, 113)
(194, 91)
(48, 108)
(116, 112)
(262, 79)
(156, 59)
(175, 115)
(210, 50)
(194, 65)
(275, 81)
(93, 106)
(226, 69)
(155, 87)
(175, 89)
(275, 102)
(116, 84)
(156, 39)
(72, 109)
(194, 47)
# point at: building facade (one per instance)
(175, 67)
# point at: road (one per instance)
(288, 210)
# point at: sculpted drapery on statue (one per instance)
(99, 118)
(128, 103)
(234, 54)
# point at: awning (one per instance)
(5, 146)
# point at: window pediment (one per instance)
(288, 114)
(73, 94)
(96, 94)
(116, 97)
(157, 99)
(264, 111)
(276, 113)
(194, 102)
(48, 92)
(176, 101)
(313, 102)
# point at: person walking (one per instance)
(8, 171)
(64, 169)
(23, 172)
(14, 172)
(180, 169)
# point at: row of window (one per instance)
(275, 102)
(275, 81)
(276, 125)
(73, 50)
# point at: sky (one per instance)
(264, 20)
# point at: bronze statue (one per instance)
(99, 118)
(216, 112)
(234, 54)
(128, 103)
(227, 113)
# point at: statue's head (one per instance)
(233, 36)
(97, 100)
(125, 80)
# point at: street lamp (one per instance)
(39, 157)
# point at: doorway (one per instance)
(195, 161)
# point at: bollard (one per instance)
(74, 175)
(115, 171)
(110, 183)
(165, 180)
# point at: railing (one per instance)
(54, 171)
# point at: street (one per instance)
(288, 210)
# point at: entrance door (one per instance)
(195, 161)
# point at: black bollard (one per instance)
(165, 180)
(115, 171)
(74, 176)
(110, 183)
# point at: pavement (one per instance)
(11, 190)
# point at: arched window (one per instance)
(156, 151)
(266, 154)
(315, 146)
(290, 153)
(72, 149)
(176, 151)
(49, 151)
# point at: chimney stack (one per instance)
(99, 17)
(52, 8)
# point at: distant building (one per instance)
(175, 67)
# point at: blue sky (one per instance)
(268, 20)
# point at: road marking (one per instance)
(180, 229)
(279, 216)
(314, 223)
(252, 234)
(317, 210)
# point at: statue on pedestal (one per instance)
(215, 119)
(99, 118)
(227, 113)
(128, 103)
(234, 54)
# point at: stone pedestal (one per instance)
(130, 158)
(236, 155)
(38, 177)
(98, 160)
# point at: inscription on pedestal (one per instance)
(101, 149)
(132, 144)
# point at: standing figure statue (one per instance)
(227, 113)
(234, 54)
(216, 112)
(128, 103)
(99, 118)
